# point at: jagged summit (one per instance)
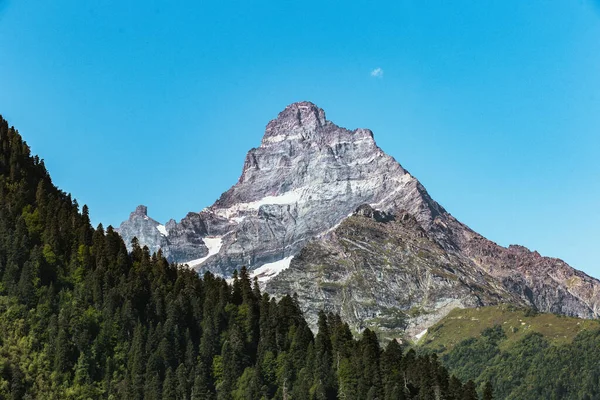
(307, 175)
(305, 121)
(295, 120)
(296, 148)
(148, 231)
(141, 210)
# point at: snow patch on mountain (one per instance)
(418, 336)
(281, 138)
(162, 230)
(286, 198)
(213, 244)
(268, 271)
(291, 197)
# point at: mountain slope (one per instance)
(384, 272)
(517, 323)
(393, 275)
(526, 355)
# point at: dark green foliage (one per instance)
(80, 317)
(469, 391)
(488, 392)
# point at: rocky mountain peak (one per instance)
(297, 121)
(141, 211)
(307, 175)
(301, 148)
(148, 231)
(309, 203)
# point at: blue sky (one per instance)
(494, 106)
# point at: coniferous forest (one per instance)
(81, 318)
(531, 368)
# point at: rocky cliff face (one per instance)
(307, 175)
(149, 232)
(386, 272)
(292, 203)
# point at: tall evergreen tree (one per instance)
(488, 392)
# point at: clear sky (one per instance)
(494, 106)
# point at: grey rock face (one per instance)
(549, 284)
(389, 272)
(155, 236)
(384, 272)
(306, 177)
(144, 228)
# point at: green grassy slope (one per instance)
(523, 354)
(517, 323)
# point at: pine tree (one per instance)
(469, 391)
(391, 368)
(201, 389)
(169, 386)
(324, 382)
(488, 393)
(370, 381)
(183, 389)
(455, 389)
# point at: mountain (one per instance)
(148, 231)
(83, 318)
(387, 272)
(307, 175)
(290, 219)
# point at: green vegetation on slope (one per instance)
(517, 323)
(523, 354)
(81, 318)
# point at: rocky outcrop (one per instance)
(383, 271)
(386, 272)
(549, 284)
(148, 231)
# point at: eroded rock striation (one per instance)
(386, 272)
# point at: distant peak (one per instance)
(141, 210)
(297, 117)
(303, 110)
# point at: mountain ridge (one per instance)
(307, 178)
(330, 164)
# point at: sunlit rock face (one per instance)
(307, 175)
(385, 271)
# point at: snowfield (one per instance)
(268, 271)
(162, 230)
(214, 245)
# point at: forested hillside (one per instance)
(525, 354)
(80, 318)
